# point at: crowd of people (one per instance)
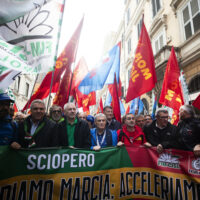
(66, 127)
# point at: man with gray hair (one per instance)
(188, 130)
(161, 132)
(101, 136)
(73, 132)
(36, 130)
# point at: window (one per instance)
(191, 18)
(139, 27)
(194, 85)
(129, 45)
(155, 6)
(17, 83)
(158, 42)
(27, 90)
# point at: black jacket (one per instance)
(114, 125)
(46, 136)
(165, 137)
(81, 134)
(188, 133)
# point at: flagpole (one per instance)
(58, 39)
(70, 84)
(36, 78)
(73, 65)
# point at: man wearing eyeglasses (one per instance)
(56, 114)
(8, 128)
(161, 132)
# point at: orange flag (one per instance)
(115, 101)
(62, 94)
(63, 62)
(171, 94)
(143, 75)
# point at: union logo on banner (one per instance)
(194, 167)
(169, 160)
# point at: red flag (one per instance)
(196, 102)
(83, 100)
(128, 109)
(143, 75)
(175, 117)
(171, 94)
(79, 73)
(100, 108)
(115, 101)
(63, 62)
(15, 108)
(88, 100)
(62, 94)
(101, 105)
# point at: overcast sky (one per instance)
(101, 17)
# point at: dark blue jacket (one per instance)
(8, 131)
(110, 140)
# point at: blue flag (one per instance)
(122, 109)
(136, 104)
(154, 106)
(103, 73)
(140, 106)
(108, 99)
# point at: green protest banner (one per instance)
(114, 173)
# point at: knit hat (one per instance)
(90, 118)
(5, 97)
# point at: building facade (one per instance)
(169, 23)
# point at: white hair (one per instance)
(68, 104)
(189, 109)
(99, 115)
(164, 110)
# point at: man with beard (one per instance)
(56, 113)
(36, 130)
(188, 130)
(8, 128)
(130, 132)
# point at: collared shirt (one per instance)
(70, 132)
(33, 127)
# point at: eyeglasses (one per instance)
(56, 111)
(164, 117)
(130, 118)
